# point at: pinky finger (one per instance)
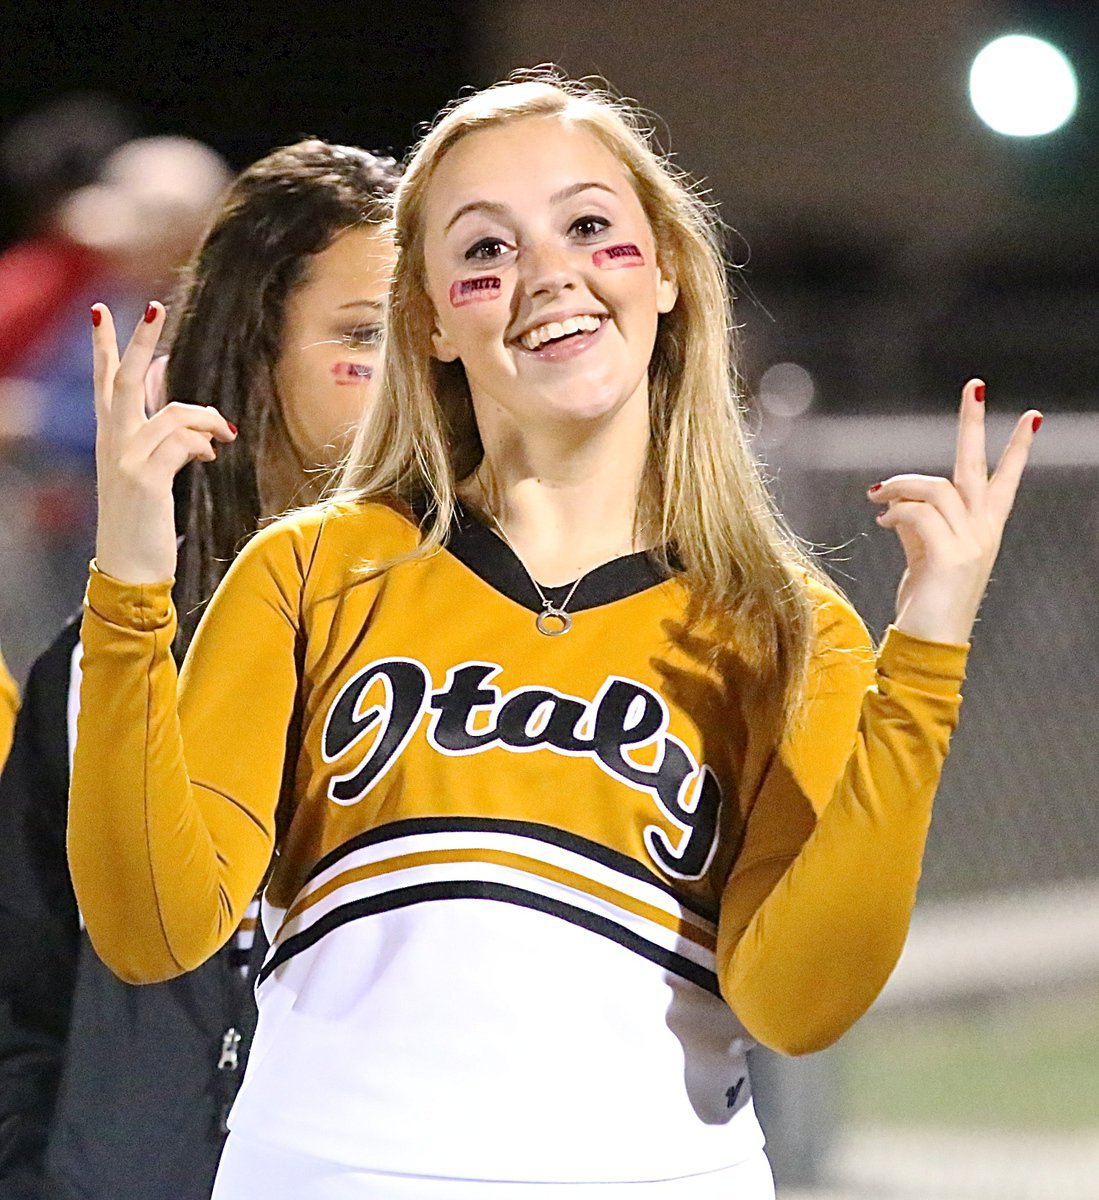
(185, 446)
(913, 518)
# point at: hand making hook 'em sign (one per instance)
(138, 456)
(951, 529)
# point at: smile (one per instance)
(555, 331)
(562, 339)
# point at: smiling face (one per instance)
(543, 273)
(330, 358)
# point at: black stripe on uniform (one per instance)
(476, 545)
(550, 834)
(475, 889)
(494, 562)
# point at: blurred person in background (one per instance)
(9, 706)
(106, 1090)
(141, 219)
(128, 233)
(567, 773)
(45, 156)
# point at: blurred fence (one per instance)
(46, 539)
(976, 1076)
(1017, 807)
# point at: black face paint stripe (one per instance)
(424, 893)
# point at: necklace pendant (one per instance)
(553, 622)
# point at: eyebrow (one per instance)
(374, 304)
(497, 209)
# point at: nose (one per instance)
(547, 270)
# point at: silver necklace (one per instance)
(552, 620)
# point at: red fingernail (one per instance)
(150, 314)
(97, 316)
(231, 426)
(876, 487)
(1036, 424)
(979, 393)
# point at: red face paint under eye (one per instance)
(352, 372)
(626, 254)
(470, 291)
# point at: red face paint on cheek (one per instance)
(352, 372)
(626, 254)
(471, 291)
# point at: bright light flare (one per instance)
(1022, 86)
(786, 390)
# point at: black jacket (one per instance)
(107, 1091)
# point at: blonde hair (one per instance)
(702, 488)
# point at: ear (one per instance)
(667, 289)
(442, 347)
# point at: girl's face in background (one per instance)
(330, 362)
(542, 269)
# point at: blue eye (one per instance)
(486, 248)
(590, 227)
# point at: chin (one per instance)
(589, 408)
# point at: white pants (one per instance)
(254, 1170)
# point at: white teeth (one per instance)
(534, 338)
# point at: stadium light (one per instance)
(1022, 86)
(786, 390)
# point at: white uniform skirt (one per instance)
(253, 1170)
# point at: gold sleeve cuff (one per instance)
(140, 606)
(935, 667)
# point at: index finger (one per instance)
(970, 459)
(128, 394)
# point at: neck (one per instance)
(285, 480)
(566, 503)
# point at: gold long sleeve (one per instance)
(817, 907)
(172, 810)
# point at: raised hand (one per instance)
(951, 531)
(138, 456)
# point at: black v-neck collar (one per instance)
(493, 561)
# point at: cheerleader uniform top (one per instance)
(530, 898)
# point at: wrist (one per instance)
(948, 627)
(141, 552)
(127, 569)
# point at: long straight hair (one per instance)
(701, 487)
(225, 335)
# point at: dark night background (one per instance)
(245, 77)
(963, 251)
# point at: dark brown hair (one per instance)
(225, 335)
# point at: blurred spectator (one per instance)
(124, 236)
(137, 223)
(44, 157)
(9, 706)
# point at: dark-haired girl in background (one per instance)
(108, 1090)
